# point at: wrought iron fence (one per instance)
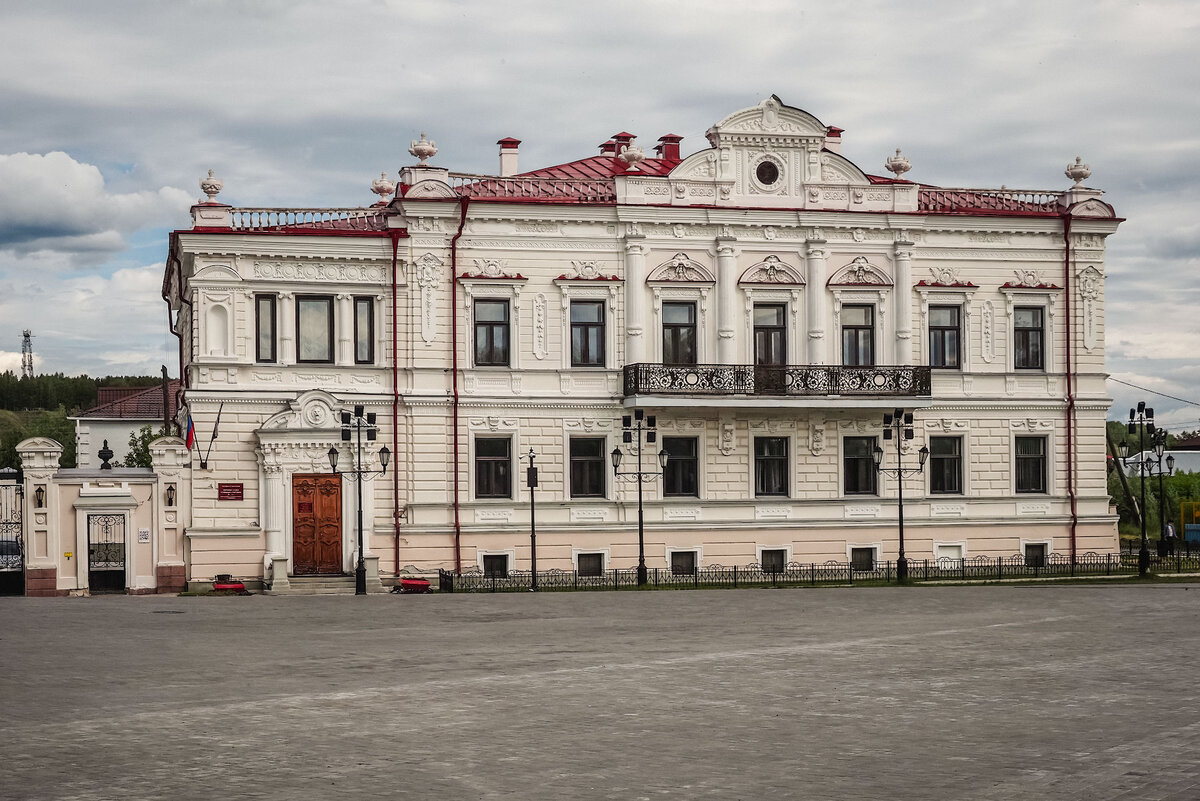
(979, 568)
(742, 379)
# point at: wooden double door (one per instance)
(316, 524)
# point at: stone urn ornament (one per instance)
(382, 186)
(423, 149)
(633, 156)
(1078, 172)
(898, 164)
(211, 186)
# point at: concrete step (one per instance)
(323, 585)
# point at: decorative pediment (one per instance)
(681, 269)
(314, 409)
(428, 189)
(216, 272)
(1092, 208)
(770, 116)
(837, 169)
(860, 272)
(771, 270)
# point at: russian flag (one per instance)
(191, 433)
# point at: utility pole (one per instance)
(27, 354)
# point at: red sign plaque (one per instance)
(229, 492)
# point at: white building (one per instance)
(764, 299)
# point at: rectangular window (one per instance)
(858, 336)
(314, 328)
(493, 467)
(679, 333)
(770, 466)
(681, 478)
(364, 330)
(264, 328)
(491, 333)
(1031, 464)
(944, 337)
(862, 559)
(770, 335)
(1028, 338)
(1035, 554)
(495, 565)
(587, 467)
(858, 465)
(774, 560)
(587, 333)
(683, 563)
(945, 465)
(590, 564)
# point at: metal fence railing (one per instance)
(980, 568)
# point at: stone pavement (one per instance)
(984, 692)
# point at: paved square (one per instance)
(1081, 692)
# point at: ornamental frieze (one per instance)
(315, 271)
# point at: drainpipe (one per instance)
(1066, 217)
(395, 237)
(462, 221)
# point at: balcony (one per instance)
(791, 385)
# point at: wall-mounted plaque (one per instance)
(229, 492)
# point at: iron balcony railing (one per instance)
(808, 380)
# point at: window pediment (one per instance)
(772, 271)
(860, 272)
(681, 269)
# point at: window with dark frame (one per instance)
(1030, 464)
(493, 467)
(314, 329)
(264, 328)
(858, 336)
(1028, 338)
(770, 335)
(364, 330)
(862, 559)
(587, 467)
(492, 333)
(1035, 554)
(587, 333)
(945, 337)
(859, 476)
(590, 564)
(945, 465)
(770, 466)
(683, 563)
(681, 477)
(773, 560)
(679, 333)
(495, 565)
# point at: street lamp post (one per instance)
(642, 427)
(531, 478)
(898, 425)
(352, 430)
(1141, 420)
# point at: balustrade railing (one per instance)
(579, 190)
(950, 200)
(741, 379)
(344, 219)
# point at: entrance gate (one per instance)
(316, 524)
(12, 546)
(106, 553)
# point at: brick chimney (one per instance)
(508, 156)
(609, 148)
(668, 147)
(833, 139)
(622, 139)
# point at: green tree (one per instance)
(139, 447)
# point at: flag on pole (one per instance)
(220, 409)
(191, 433)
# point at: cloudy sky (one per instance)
(113, 110)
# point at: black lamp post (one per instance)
(351, 424)
(899, 423)
(531, 479)
(641, 426)
(1141, 419)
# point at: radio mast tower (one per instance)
(27, 354)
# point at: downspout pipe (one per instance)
(395, 236)
(1066, 217)
(462, 221)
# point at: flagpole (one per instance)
(207, 453)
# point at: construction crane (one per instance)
(27, 354)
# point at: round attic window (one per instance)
(767, 173)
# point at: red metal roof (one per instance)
(141, 404)
(601, 167)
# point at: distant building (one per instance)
(118, 413)
(764, 298)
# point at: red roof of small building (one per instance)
(143, 403)
(601, 167)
